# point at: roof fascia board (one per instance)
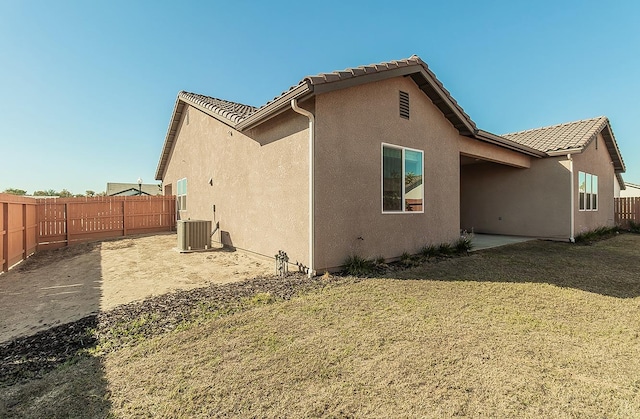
(503, 142)
(556, 153)
(174, 124)
(445, 96)
(283, 109)
(623, 186)
(612, 146)
(276, 107)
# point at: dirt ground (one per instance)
(59, 286)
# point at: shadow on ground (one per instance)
(609, 267)
(28, 387)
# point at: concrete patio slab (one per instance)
(487, 241)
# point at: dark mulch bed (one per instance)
(32, 356)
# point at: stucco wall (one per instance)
(499, 199)
(597, 161)
(259, 186)
(351, 126)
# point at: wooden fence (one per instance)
(29, 224)
(626, 210)
(18, 229)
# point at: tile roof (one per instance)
(234, 112)
(559, 137)
(362, 70)
(237, 113)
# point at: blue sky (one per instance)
(87, 87)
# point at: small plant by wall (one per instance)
(463, 245)
(597, 234)
(355, 265)
(634, 227)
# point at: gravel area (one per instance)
(32, 356)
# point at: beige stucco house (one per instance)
(376, 161)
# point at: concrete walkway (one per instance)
(487, 241)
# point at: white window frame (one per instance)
(181, 198)
(589, 193)
(402, 148)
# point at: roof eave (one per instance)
(621, 183)
(277, 106)
(174, 123)
(503, 142)
(565, 152)
(612, 146)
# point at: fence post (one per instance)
(24, 231)
(66, 223)
(124, 217)
(5, 237)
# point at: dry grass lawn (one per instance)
(537, 329)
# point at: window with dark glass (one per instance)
(402, 183)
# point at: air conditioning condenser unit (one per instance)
(194, 235)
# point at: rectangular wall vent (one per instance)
(404, 105)
(194, 235)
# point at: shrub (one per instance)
(463, 245)
(634, 227)
(445, 249)
(599, 233)
(429, 251)
(358, 266)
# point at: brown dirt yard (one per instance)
(59, 286)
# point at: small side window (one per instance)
(181, 195)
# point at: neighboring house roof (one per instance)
(115, 189)
(241, 117)
(129, 192)
(571, 137)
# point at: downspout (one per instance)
(572, 238)
(296, 108)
